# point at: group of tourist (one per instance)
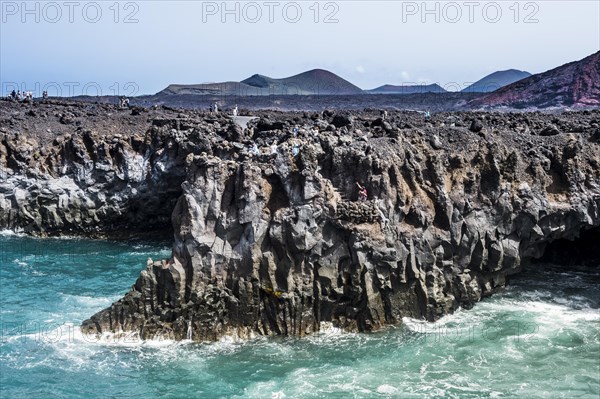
(24, 95)
(215, 109)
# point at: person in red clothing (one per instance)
(362, 192)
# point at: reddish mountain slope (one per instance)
(576, 84)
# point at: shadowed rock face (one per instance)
(278, 244)
(83, 169)
(584, 251)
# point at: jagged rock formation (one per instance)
(277, 244)
(85, 169)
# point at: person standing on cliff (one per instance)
(362, 192)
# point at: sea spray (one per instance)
(470, 354)
(189, 329)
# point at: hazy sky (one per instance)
(139, 47)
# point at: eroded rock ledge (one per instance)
(277, 244)
(94, 170)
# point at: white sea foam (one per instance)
(68, 334)
(11, 233)
(328, 334)
(386, 389)
(457, 322)
(28, 267)
(539, 316)
(33, 257)
(544, 312)
(88, 301)
(236, 337)
(326, 331)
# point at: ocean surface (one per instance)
(538, 339)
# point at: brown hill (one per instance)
(314, 82)
(576, 84)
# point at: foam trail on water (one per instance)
(11, 233)
(69, 333)
(88, 301)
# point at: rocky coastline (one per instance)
(276, 244)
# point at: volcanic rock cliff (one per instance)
(90, 170)
(277, 244)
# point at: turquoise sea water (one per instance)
(538, 339)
